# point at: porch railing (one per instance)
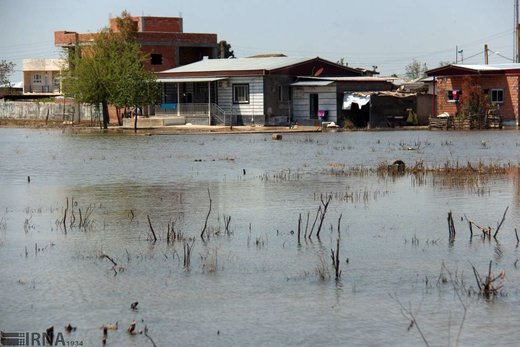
(197, 112)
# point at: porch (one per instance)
(194, 113)
(192, 100)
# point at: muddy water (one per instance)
(253, 285)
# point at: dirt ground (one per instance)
(181, 129)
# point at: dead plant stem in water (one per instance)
(207, 217)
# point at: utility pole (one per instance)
(457, 52)
(516, 39)
(518, 43)
(486, 54)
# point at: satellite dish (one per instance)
(319, 72)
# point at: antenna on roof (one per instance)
(180, 14)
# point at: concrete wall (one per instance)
(27, 110)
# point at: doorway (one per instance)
(313, 106)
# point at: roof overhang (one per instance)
(465, 70)
(311, 83)
(190, 79)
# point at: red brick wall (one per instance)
(177, 37)
(509, 109)
(65, 38)
(168, 57)
(135, 20)
(162, 24)
(153, 24)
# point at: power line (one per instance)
(500, 55)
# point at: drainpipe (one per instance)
(209, 103)
(178, 100)
(433, 96)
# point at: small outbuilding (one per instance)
(463, 90)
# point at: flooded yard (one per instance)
(79, 214)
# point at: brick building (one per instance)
(160, 37)
(500, 82)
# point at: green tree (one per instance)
(225, 50)
(6, 69)
(415, 69)
(112, 71)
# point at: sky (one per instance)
(388, 34)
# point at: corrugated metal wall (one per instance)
(327, 100)
(244, 112)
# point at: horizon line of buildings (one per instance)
(275, 89)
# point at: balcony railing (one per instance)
(42, 89)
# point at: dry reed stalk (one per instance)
(207, 216)
(151, 229)
(335, 255)
(451, 228)
(315, 219)
(299, 227)
(325, 204)
(487, 286)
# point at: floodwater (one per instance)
(252, 284)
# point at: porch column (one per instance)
(178, 100)
(209, 103)
(433, 98)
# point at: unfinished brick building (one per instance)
(162, 38)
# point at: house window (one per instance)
(156, 59)
(454, 95)
(241, 93)
(37, 78)
(497, 96)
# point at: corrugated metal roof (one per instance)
(311, 83)
(238, 64)
(190, 79)
(349, 79)
(490, 67)
(477, 68)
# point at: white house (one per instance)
(42, 76)
(242, 90)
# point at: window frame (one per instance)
(449, 95)
(496, 90)
(241, 93)
(156, 59)
(37, 78)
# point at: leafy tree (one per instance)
(6, 69)
(415, 69)
(474, 100)
(225, 50)
(112, 71)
